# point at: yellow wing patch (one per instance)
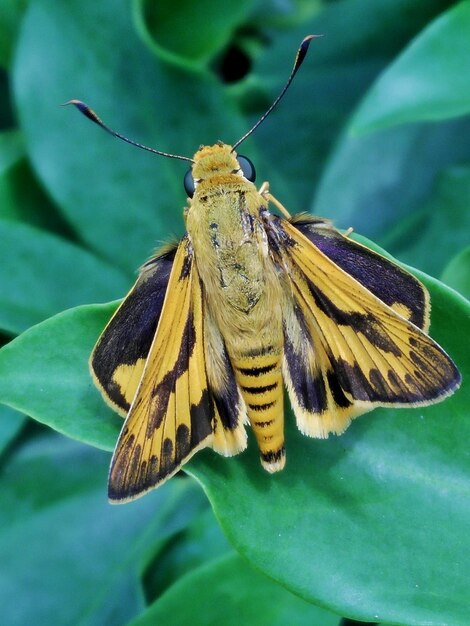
(127, 378)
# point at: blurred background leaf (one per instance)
(25, 264)
(229, 592)
(72, 571)
(363, 524)
(195, 33)
(457, 272)
(428, 81)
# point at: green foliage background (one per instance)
(374, 134)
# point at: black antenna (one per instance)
(91, 115)
(300, 56)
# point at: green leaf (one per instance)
(42, 275)
(120, 200)
(228, 591)
(202, 540)
(44, 373)
(358, 522)
(444, 224)
(343, 510)
(428, 81)
(374, 182)
(11, 423)
(83, 556)
(457, 273)
(10, 20)
(11, 149)
(21, 197)
(193, 34)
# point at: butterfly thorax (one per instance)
(230, 244)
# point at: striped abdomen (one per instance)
(259, 377)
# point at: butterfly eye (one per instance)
(247, 168)
(189, 186)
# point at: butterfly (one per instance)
(248, 303)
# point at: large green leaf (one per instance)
(83, 557)
(49, 365)
(428, 81)
(120, 200)
(41, 275)
(376, 181)
(228, 591)
(355, 523)
(358, 523)
(457, 273)
(443, 225)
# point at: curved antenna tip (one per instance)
(89, 113)
(75, 102)
(299, 58)
(81, 106)
(302, 51)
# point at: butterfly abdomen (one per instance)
(259, 376)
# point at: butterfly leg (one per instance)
(264, 191)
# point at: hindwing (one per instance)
(347, 348)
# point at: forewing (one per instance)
(171, 415)
(118, 359)
(386, 280)
(346, 350)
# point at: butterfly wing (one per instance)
(172, 411)
(346, 350)
(389, 282)
(181, 404)
(118, 359)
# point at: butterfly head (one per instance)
(219, 159)
(216, 160)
